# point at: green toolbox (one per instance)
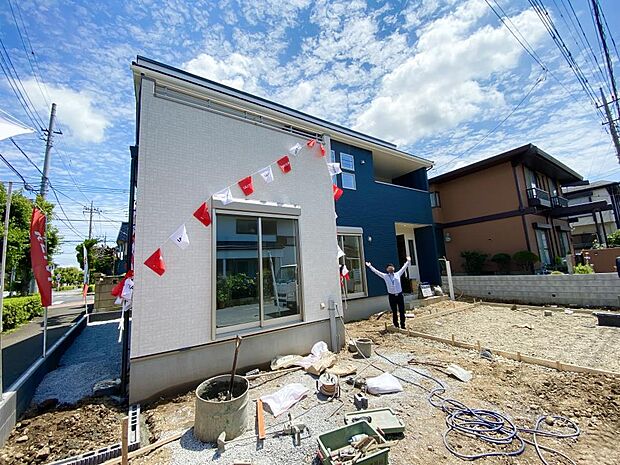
(383, 420)
(337, 446)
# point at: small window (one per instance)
(348, 181)
(347, 162)
(435, 200)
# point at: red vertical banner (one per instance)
(38, 256)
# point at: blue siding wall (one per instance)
(376, 207)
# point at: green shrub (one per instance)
(19, 310)
(234, 289)
(613, 240)
(525, 260)
(556, 272)
(502, 260)
(474, 261)
(584, 269)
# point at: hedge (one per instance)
(19, 310)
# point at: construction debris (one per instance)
(385, 383)
(360, 401)
(282, 400)
(459, 373)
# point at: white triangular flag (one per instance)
(224, 196)
(179, 237)
(340, 252)
(295, 149)
(10, 128)
(334, 169)
(267, 174)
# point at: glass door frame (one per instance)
(262, 322)
(360, 237)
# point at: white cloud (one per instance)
(237, 70)
(447, 80)
(77, 111)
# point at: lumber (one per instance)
(260, 418)
(559, 308)
(444, 313)
(510, 355)
(147, 449)
(124, 441)
(274, 372)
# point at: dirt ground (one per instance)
(520, 391)
(571, 338)
(46, 435)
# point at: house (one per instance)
(596, 224)
(121, 249)
(264, 265)
(505, 204)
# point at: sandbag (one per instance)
(283, 399)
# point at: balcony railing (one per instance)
(558, 201)
(538, 197)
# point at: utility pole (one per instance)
(612, 125)
(48, 149)
(5, 238)
(91, 210)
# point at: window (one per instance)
(544, 251)
(257, 274)
(348, 181)
(564, 243)
(352, 246)
(435, 200)
(347, 162)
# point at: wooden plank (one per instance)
(509, 355)
(443, 313)
(147, 449)
(125, 441)
(260, 418)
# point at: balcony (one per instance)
(538, 197)
(559, 202)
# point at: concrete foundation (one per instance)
(588, 290)
(180, 370)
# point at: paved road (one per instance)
(22, 347)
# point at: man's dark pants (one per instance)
(397, 302)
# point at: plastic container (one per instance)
(364, 346)
(608, 319)
(340, 437)
(214, 416)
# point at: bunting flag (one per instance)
(267, 174)
(322, 150)
(156, 262)
(246, 185)
(118, 289)
(202, 215)
(340, 252)
(337, 192)
(295, 149)
(344, 273)
(224, 196)
(334, 169)
(285, 164)
(180, 238)
(38, 256)
(310, 143)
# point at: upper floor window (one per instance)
(347, 161)
(435, 199)
(348, 181)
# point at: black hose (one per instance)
(490, 426)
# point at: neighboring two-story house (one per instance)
(596, 224)
(504, 204)
(265, 262)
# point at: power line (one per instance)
(25, 155)
(14, 170)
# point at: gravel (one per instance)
(95, 355)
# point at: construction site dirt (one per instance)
(520, 391)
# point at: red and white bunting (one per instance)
(224, 196)
(334, 169)
(267, 174)
(246, 185)
(202, 214)
(310, 143)
(337, 192)
(156, 262)
(323, 151)
(295, 149)
(285, 164)
(340, 252)
(180, 237)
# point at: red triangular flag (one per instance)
(322, 150)
(246, 185)
(311, 143)
(337, 191)
(203, 215)
(285, 164)
(156, 262)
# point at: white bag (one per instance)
(282, 400)
(383, 384)
(318, 349)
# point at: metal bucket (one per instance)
(213, 416)
(364, 346)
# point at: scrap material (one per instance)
(260, 418)
(282, 400)
(385, 383)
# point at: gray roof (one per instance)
(588, 187)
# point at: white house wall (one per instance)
(185, 155)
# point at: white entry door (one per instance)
(414, 270)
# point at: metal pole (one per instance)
(612, 125)
(48, 148)
(5, 237)
(90, 222)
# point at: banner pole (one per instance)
(5, 237)
(45, 333)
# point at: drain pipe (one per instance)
(333, 330)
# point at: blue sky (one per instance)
(433, 76)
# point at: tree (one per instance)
(69, 276)
(100, 258)
(613, 240)
(525, 260)
(18, 243)
(474, 261)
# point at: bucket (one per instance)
(214, 416)
(364, 345)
